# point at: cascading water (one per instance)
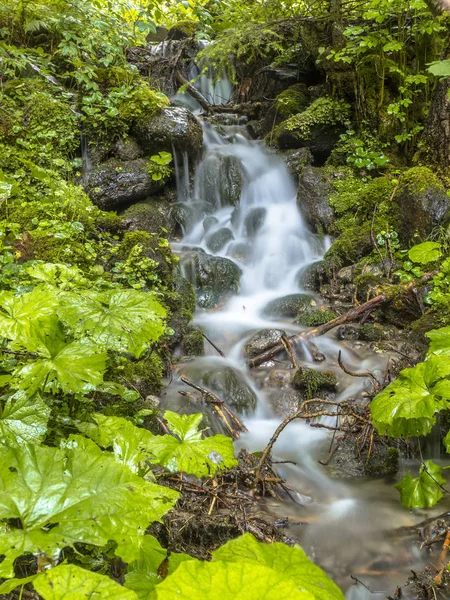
(260, 228)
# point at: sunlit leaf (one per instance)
(423, 491)
(23, 420)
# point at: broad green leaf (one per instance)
(425, 253)
(191, 453)
(23, 420)
(142, 575)
(440, 68)
(70, 582)
(129, 443)
(407, 407)
(19, 315)
(73, 367)
(58, 274)
(439, 340)
(287, 562)
(228, 581)
(423, 491)
(82, 492)
(11, 584)
(124, 320)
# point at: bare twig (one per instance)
(213, 345)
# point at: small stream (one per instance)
(347, 526)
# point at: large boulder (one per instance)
(220, 180)
(150, 216)
(230, 385)
(289, 306)
(314, 191)
(173, 127)
(420, 204)
(116, 183)
(215, 278)
(262, 341)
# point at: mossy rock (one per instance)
(352, 245)
(293, 100)
(154, 247)
(313, 199)
(314, 318)
(315, 276)
(289, 306)
(145, 376)
(312, 382)
(419, 205)
(402, 305)
(182, 30)
(230, 385)
(151, 216)
(262, 341)
(193, 343)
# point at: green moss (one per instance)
(145, 376)
(187, 26)
(293, 100)
(153, 247)
(383, 463)
(353, 243)
(310, 381)
(418, 180)
(110, 222)
(115, 76)
(193, 344)
(322, 112)
(313, 318)
(371, 333)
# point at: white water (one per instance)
(348, 521)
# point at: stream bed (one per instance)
(349, 526)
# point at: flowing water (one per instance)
(348, 526)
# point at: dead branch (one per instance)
(352, 315)
(354, 374)
(214, 346)
(192, 91)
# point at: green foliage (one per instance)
(440, 68)
(408, 406)
(191, 453)
(425, 253)
(83, 492)
(360, 151)
(158, 166)
(292, 101)
(23, 421)
(322, 112)
(425, 490)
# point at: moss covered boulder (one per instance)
(173, 127)
(214, 278)
(420, 204)
(193, 343)
(262, 341)
(296, 160)
(151, 216)
(289, 306)
(353, 244)
(116, 183)
(318, 274)
(143, 375)
(313, 195)
(312, 382)
(316, 317)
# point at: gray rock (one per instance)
(160, 35)
(127, 148)
(313, 194)
(289, 306)
(209, 222)
(262, 341)
(215, 278)
(321, 140)
(229, 385)
(239, 251)
(297, 160)
(314, 276)
(220, 180)
(219, 239)
(255, 220)
(287, 402)
(149, 216)
(113, 184)
(173, 127)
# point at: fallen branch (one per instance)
(231, 421)
(192, 91)
(354, 374)
(351, 315)
(214, 346)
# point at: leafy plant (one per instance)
(158, 166)
(191, 453)
(423, 491)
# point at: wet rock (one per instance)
(254, 221)
(346, 274)
(314, 276)
(193, 344)
(347, 332)
(287, 402)
(313, 195)
(113, 184)
(214, 278)
(219, 239)
(186, 214)
(209, 222)
(150, 216)
(230, 385)
(403, 306)
(278, 378)
(348, 463)
(127, 148)
(297, 160)
(239, 251)
(289, 306)
(312, 382)
(262, 341)
(220, 180)
(321, 140)
(421, 204)
(173, 127)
